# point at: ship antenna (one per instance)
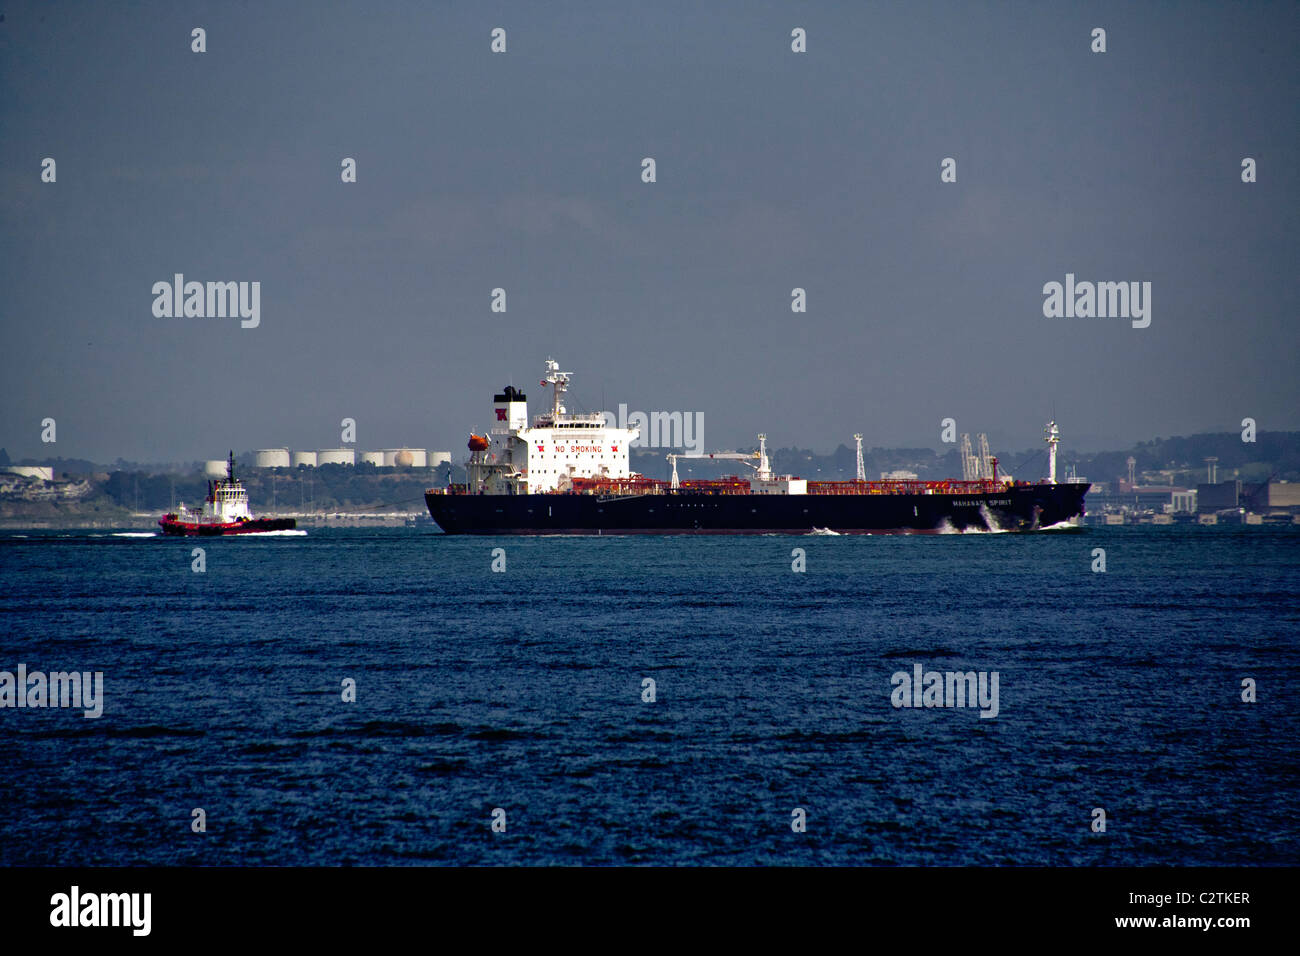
(559, 382)
(230, 466)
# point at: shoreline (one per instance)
(149, 522)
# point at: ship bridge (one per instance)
(556, 450)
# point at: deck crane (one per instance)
(747, 458)
(985, 469)
(969, 468)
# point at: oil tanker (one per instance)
(568, 474)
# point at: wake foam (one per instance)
(1066, 525)
(991, 522)
(991, 525)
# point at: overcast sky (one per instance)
(522, 170)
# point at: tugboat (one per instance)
(225, 511)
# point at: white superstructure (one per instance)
(227, 500)
(766, 483)
(523, 459)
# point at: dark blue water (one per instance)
(523, 690)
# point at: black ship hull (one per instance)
(1022, 507)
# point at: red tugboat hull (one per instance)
(172, 526)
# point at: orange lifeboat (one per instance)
(478, 442)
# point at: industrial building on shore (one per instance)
(285, 458)
(1233, 501)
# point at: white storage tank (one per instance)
(214, 468)
(336, 456)
(436, 458)
(405, 458)
(307, 458)
(375, 458)
(271, 458)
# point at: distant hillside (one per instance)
(325, 488)
(1273, 455)
(1276, 455)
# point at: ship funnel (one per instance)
(511, 408)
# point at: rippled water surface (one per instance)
(523, 690)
